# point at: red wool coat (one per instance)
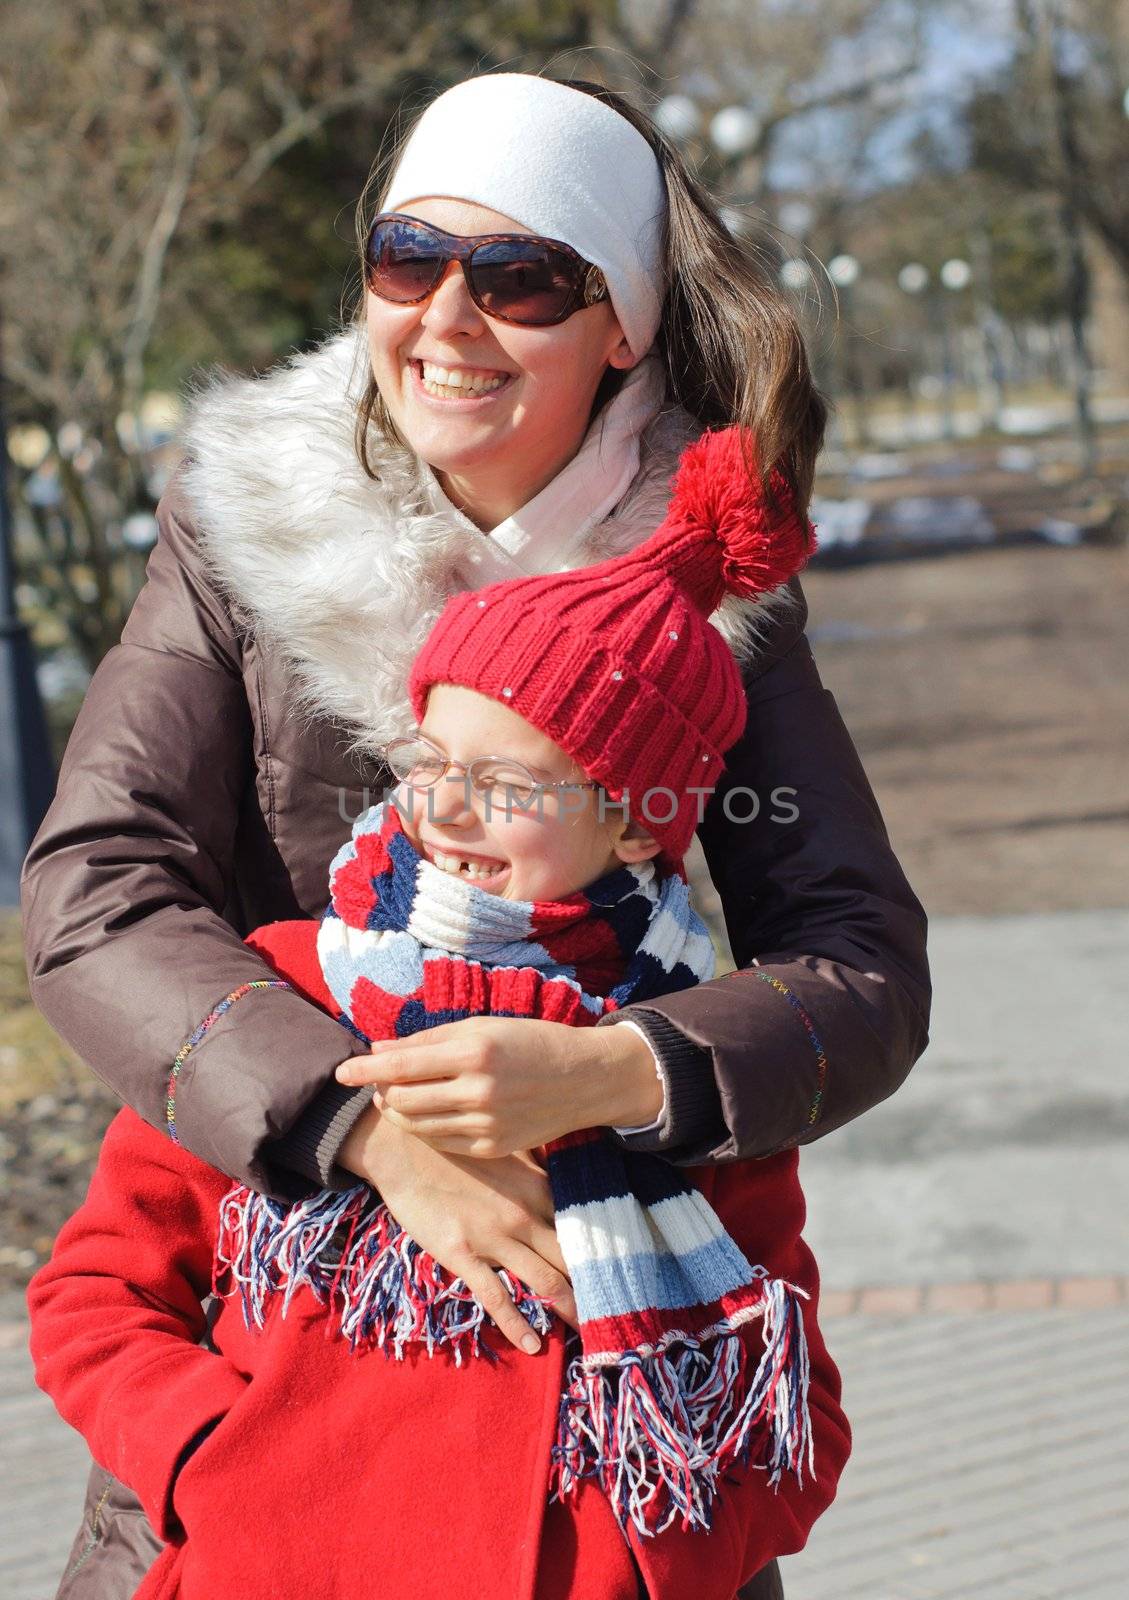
(337, 1473)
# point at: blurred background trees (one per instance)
(177, 189)
(943, 186)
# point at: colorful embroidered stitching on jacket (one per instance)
(198, 1033)
(809, 1028)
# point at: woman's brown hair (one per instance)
(729, 338)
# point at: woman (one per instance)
(321, 518)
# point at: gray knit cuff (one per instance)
(693, 1104)
(311, 1146)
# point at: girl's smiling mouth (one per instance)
(472, 868)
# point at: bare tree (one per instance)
(1071, 145)
(148, 219)
(1070, 73)
(780, 63)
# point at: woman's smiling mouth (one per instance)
(457, 385)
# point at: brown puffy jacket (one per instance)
(219, 759)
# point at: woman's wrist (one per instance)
(625, 1090)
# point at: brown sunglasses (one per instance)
(515, 277)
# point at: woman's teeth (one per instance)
(444, 382)
(463, 868)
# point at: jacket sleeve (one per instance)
(124, 887)
(829, 1006)
(116, 1315)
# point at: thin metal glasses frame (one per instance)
(536, 787)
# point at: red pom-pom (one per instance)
(764, 541)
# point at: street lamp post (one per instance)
(27, 775)
(843, 269)
(989, 325)
(731, 136)
(1046, 24)
(679, 117)
(734, 132)
(913, 279)
(955, 275)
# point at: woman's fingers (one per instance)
(545, 1244)
(439, 1052)
(440, 1097)
(474, 1216)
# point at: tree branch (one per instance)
(309, 120)
(147, 291)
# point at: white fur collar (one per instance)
(344, 576)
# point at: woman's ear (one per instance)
(621, 354)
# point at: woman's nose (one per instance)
(450, 308)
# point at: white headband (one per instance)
(558, 161)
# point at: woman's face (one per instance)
(545, 852)
(493, 452)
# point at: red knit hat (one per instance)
(618, 663)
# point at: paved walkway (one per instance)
(991, 1458)
(972, 1239)
(1003, 1155)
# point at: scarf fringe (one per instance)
(347, 1248)
(657, 1427)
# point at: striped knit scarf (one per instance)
(667, 1386)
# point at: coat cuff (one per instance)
(692, 1115)
(311, 1145)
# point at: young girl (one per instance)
(323, 516)
(697, 1412)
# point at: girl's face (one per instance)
(493, 452)
(544, 853)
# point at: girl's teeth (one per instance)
(466, 869)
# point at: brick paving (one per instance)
(991, 1458)
(990, 1450)
(1022, 1294)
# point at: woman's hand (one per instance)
(493, 1086)
(472, 1216)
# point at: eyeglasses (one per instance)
(515, 277)
(421, 765)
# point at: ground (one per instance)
(52, 1115)
(988, 695)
